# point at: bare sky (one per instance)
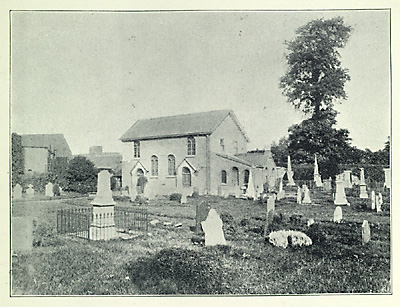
(91, 75)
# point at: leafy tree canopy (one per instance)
(81, 175)
(315, 78)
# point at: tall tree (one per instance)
(315, 78)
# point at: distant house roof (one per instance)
(54, 142)
(111, 160)
(262, 158)
(203, 123)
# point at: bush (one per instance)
(175, 197)
(38, 180)
(179, 271)
(81, 175)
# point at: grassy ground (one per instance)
(165, 261)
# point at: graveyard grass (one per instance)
(171, 261)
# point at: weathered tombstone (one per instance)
(202, 210)
(30, 192)
(379, 202)
(184, 199)
(373, 200)
(270, 212)
(337, 215)
(365, 232)
(17, 192)
(103, 223)
(212, 226)
(310, 222)
(281, 192)
(327, 184)
(363, 186)
(347, 179)
(22, 234)
(388, 179)
(49, 190)
(56, 190)
(290, 173)
(306, 199)
(299, 192)
(317, 176)
(340, 195)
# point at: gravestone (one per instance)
(30, 192)
(290, 173)
(17, 192)
(306, 199)
(310, 222)
(347, 179)
(340, 195)
(22, 234)
(337, 215)
(184, 199)
(299, 192)
(355, 180)
(373, 199)
(362, 176)
(327, 184)
(212, 226)
(317, 176)
(365, 232)
(49, 190)
(270, 212)
(103, 223)
(379, 202)
(281, 192)
(202, 211)
(388, 179)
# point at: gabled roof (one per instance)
(53, 142)
(203, 123)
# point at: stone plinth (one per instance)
(104, 194)
(340, 195)
(103, 224)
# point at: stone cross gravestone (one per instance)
(337, 215)
(373, 199)
(49, 190)
(202, 211)
(365, 232)
(299, 195)
(340, 195)
(306, 199)
(21, 234)
(30, 192)
(17, 192)
(212, 226)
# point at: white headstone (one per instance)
(251, 189)
(290, 173)
(337, 215)
(347, 179)
(365, 232)
(317, 176)
(30, 192)
(388, 179)
(184, 199)
(281, 192)
(212, 226)
(306, 199)
(299, 192)
(373, 199)
(362, 176)
(104, 194)
(340, 195)
(17, 192)
(49, 190)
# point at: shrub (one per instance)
(175, 197)
(81, 175)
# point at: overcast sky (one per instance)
(91, 75)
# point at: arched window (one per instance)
(235, 176)
(246, 175)
(191, 146)
(186, 177)
(136, 149)
(171, 165)
(223, 177)
(154, 166)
